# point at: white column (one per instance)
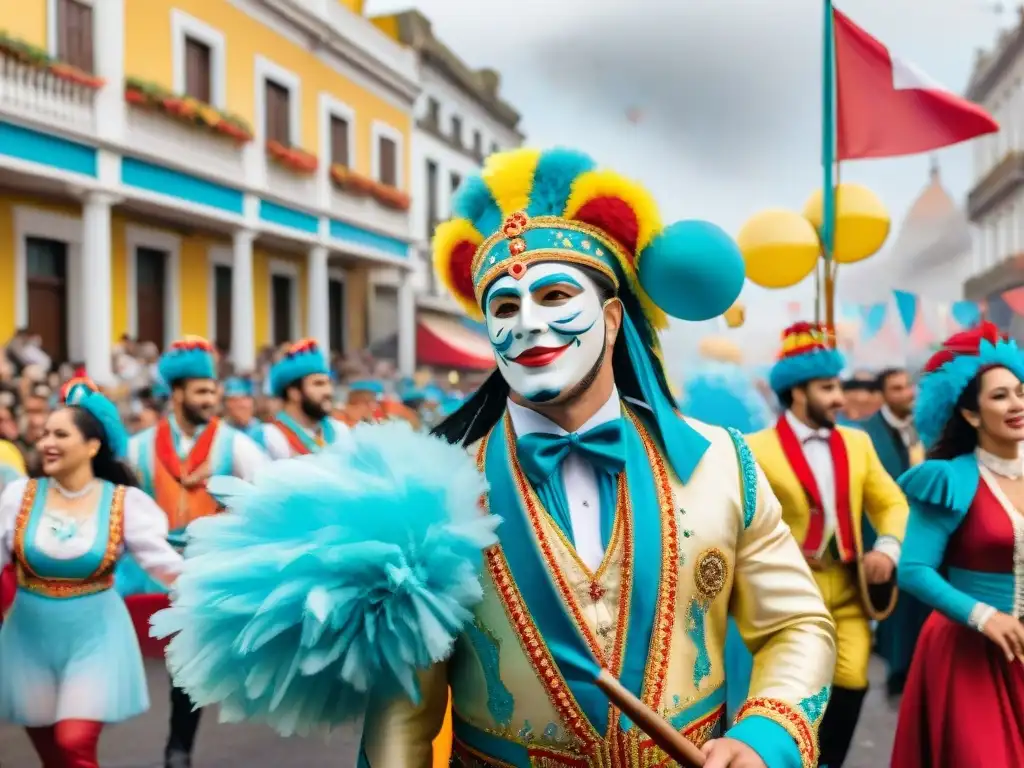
(318, 298)
(243, 332)
(406, 324)
(96, 301)
(108, 48)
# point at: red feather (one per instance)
(963, 343)
(461, 268)
(614, 216)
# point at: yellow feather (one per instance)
(509, 176)
(604, 183)
(446, 236)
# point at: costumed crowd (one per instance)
(568, 566)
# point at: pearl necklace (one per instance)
(1012, 469)
(72, 494)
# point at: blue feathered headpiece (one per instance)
(238, 387)
(303, 358)
(807, 354)
(962, 357)
(82, 393)
(723, 394)
(335, 576)
(192, 357)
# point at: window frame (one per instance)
(268, 70)
(53, 30)
(184, 26)
(332, 107)
(381, 130)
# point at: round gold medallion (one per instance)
(709, 573)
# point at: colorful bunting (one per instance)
(906, 305)
(872, 319)
(967, 314)
(1014, 299)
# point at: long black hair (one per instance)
(958, 436)
(476, 417)
(105, 465)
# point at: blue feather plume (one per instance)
(334, 577)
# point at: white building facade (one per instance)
(995, 203)
(460, 118)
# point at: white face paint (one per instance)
(547, 329)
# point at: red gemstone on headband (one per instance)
(517, 247)
(517, 269)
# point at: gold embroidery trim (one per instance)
(795, 723)
(98, 581)
(533, 645)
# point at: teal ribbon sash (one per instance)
(565, 640)
(311, 445)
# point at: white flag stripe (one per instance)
(907, 77)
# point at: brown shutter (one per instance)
(198, 71)
(74, 34)
(339, 141)
(277, 113)
(388, 162)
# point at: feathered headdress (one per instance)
(82, 393)
(948, 372)
(528, 206)
(303, 358)
(192, 357)
(808, 352)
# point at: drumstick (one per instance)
(672, 743)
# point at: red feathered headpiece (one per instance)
(963, 343)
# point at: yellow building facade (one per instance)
(235, 169)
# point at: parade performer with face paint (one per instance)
(302, 380)
(628, 534)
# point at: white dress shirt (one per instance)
(905, 427)
(814, 443)
(578, 474)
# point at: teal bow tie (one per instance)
(541, 454)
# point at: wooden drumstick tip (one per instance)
(670, 741)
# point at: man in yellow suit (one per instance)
(827, 478)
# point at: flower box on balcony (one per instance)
(36, 57)
(186, 109)
(293, 158)
(392, 197)
(363, 186)
(350, 181)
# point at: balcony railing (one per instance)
(367, 210)
(39, 95)
(188, 146)
(1004, 177)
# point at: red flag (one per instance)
(887, 107)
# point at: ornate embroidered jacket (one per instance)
(681, 559)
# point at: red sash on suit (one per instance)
(814, 538)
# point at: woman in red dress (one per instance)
(963, 705)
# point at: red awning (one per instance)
(445, 342)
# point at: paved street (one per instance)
(138, 744)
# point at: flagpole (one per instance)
(828, 223)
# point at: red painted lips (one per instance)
(538, 357)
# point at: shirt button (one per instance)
(586, 503)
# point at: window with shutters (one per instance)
(340, 141)
(433, 215)
(277, 112)
(198, 70)
(456, 179)
(388, 153)
(433, 112)
(478, 144)
(495, 147)
(457, 130)
(74, 33)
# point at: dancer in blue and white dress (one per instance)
(69, 657)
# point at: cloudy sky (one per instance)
(729, 90)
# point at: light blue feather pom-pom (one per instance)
(693, 270)
(335, 576)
